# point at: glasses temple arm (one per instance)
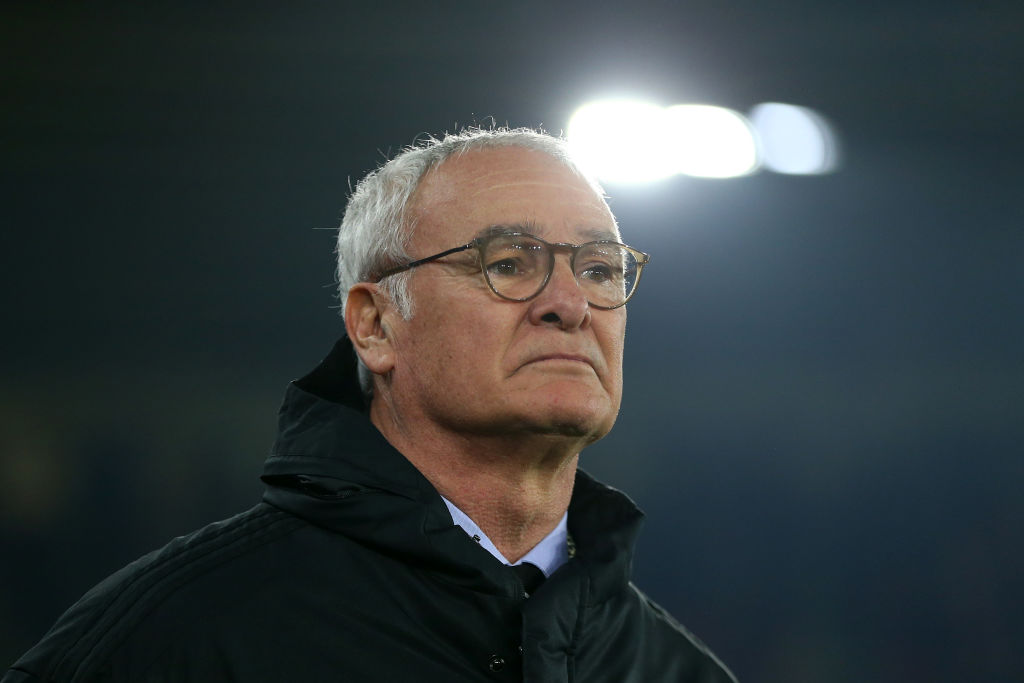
(420, 262)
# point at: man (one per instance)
(483, 283)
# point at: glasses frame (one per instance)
(480, 244)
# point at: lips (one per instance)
(567, 357)
(562, 356)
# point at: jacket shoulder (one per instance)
(702, 664)
(82, 642)
(632, 639)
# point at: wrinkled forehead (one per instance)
(511, 187)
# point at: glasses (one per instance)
(518, 266)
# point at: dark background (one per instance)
(825, 384)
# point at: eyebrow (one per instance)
(506, 229)
(531, 228)
(598, 234)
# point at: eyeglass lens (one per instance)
(518, 266)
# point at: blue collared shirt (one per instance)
(548, 555)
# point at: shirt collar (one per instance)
(548, 555)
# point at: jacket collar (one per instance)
(332, 467)
(324, 429)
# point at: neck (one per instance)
(515, 487)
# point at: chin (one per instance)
(588, 419)
(576, 430)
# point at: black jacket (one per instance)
(351, 570)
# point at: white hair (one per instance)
(376, 228)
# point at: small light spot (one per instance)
(794, 140)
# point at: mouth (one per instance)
(568, 360)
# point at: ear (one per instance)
(365, 309)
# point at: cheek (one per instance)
(612, 337)
(458, 346)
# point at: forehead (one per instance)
(508, 186)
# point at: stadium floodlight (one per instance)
(620, 141)
(628, 141)
(793, 139)
(709, 142)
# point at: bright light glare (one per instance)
(793, 139)
(625, 141)
(711, 142)
(620, 141)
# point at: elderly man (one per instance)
(424, 518)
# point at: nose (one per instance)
(562, 302)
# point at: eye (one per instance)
(506, 267)
(600, 273)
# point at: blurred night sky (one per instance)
(824, 409)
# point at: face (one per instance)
(471, 362)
